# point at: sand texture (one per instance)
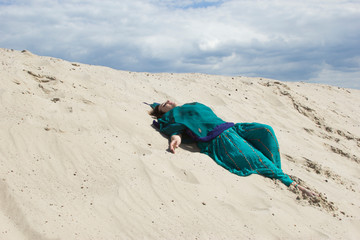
(79, 158)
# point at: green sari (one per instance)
(242, 148)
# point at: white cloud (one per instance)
(346, 79)
(280, 39)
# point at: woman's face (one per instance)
(167, 106)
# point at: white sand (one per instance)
(79, 158)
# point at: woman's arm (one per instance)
(175, 142)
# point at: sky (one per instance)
(315, 41)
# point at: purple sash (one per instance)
(212, 134)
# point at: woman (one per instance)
(242, 148)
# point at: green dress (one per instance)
(242, 148)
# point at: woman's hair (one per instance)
(156, 112)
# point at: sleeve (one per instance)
(172, 129)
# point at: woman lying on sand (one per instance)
(241, 148)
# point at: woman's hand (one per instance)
(175, 142)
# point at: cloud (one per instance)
(186, 4)
(330, 76)
(284, 40)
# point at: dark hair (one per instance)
(156, 112)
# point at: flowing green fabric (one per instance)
(243, 149)
(247, 148)
(196, 117)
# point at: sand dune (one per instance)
(79, 158)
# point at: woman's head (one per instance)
(162, 108)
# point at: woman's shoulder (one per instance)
(195, 107)
(194, 104)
